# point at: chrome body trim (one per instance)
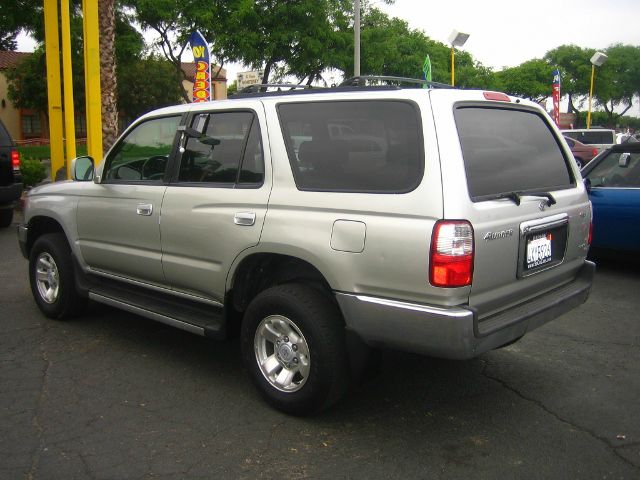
(188, 296)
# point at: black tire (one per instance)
(54, 288)
(6, 217)
(310, 313)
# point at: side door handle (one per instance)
(244, 218)
(145, 209)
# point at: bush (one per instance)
(33, 172)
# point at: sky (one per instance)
(505, 33)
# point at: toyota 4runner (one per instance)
(319, 223)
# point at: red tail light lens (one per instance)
(15, 159)
(451, 259)
(594, 152)
(500, 97)
(590, 237)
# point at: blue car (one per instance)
(613, 181)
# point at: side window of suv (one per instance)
(354, 146)
(227, 152)
(609, 173)
(143, 154)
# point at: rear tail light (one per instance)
(451, 258)
(590, 237)
(15, 159)
(594, 151)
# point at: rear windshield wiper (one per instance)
(517, 196)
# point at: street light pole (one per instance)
(596, 61)
(356, 39)
(456, 39)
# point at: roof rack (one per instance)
(361, 81)
(263, 86)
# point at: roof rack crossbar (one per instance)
(361, 81)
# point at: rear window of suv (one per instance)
(509, 150)
(354, 146)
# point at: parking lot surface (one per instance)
(115, 396)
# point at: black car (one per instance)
(10, 177)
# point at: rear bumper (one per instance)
(10, 193)
(456, 332)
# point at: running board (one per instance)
(112, 302)
(187, 314)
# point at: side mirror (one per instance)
(623, 161)
(82, 169)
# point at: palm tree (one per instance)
(108, 80)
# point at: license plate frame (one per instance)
(543, 244)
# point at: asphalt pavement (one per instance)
(115, 396)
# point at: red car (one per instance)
(581, 153)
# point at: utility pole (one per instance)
(356, 39)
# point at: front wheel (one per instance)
(293, 344)
(52, 277)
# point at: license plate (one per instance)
(539, 250)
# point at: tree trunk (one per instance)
(108, 81)
(570, 107)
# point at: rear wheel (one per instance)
(52, 277)
(293, 344)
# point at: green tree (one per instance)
(531, 79)
(147, 84)
(618, 79)
(575, 69)
(14, 18)
(390, 47)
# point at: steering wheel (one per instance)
(153, 167)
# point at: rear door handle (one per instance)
(145, 209)
(244, 218)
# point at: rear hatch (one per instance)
(508, 173)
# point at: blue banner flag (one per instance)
(202, 77)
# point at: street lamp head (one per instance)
(458, 39)
(598, 59)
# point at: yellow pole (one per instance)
(69, 111)
(92, 78)
(453, 65)
(593, 74)
(52, 52)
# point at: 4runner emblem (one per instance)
(496, 235)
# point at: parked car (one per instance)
(613, 180)
(582, 153)
(10, 177)
(248, 215)
(600, 138)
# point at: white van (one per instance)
(601, 138)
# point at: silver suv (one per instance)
(321, 223)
